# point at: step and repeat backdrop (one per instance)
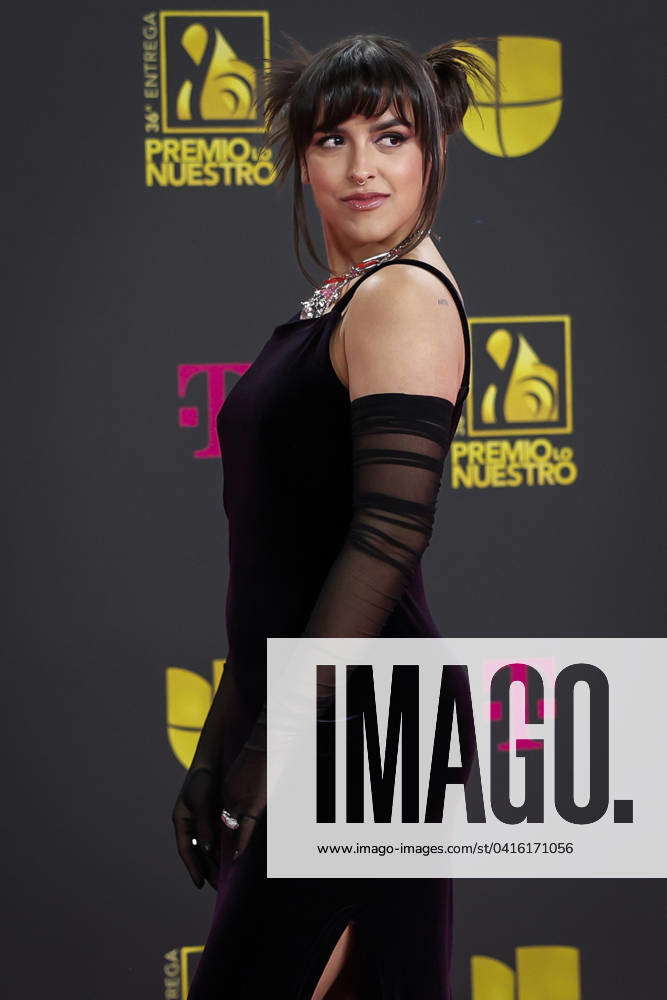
(150, 259)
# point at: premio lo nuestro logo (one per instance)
(201, 99)
(519, 407)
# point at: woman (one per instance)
(326, 540)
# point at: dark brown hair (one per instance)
(366, 74)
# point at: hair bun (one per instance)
(451, 68)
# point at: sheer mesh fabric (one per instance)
(196, 812)
(228, 715)
(399, 446)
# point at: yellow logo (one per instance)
(542, 973)
(521, 377)
(210, 61)
(179, 965)
(520, 391)
(526, 106)
(228, 88)
(201, 71)
(189, 698)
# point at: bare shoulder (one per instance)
(402, 333)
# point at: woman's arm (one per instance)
(402, 333)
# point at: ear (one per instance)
(304, 172)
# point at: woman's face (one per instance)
(386, 156)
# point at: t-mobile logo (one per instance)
(210, 390)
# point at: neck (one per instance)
(342, 254)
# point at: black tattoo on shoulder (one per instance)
(443, 302)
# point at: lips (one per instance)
(365, 201)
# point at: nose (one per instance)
(361, 169)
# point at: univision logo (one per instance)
(526, 106)
(189, 697)
(541, 971)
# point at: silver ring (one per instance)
(229, 820)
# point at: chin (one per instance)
(365, 230)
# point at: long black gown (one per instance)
(288, 492)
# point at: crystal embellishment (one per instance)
(329, 293)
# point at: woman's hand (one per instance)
(244, 797)
(196, 819)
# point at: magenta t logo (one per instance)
(214, 396)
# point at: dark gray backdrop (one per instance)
(116, 536)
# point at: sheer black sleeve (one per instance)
(399, 446)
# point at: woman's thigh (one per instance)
(344, 977)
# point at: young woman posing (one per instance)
(333, 447)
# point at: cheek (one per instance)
(324, 176)
(409, 173)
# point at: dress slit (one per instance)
(324, 947)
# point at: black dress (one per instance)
(290, 494)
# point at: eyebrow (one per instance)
(379, 127)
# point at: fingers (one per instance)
(207, 837)
(200, 854)
(189, 854)
(212, 871)
(228, 844)
(209, 864)
(197, 835)
(245, 831)
(234, 842)
(209, 845)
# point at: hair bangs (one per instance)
(350, 86)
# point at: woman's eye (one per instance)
(388, 135)
(394, 135)
(325, 138)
